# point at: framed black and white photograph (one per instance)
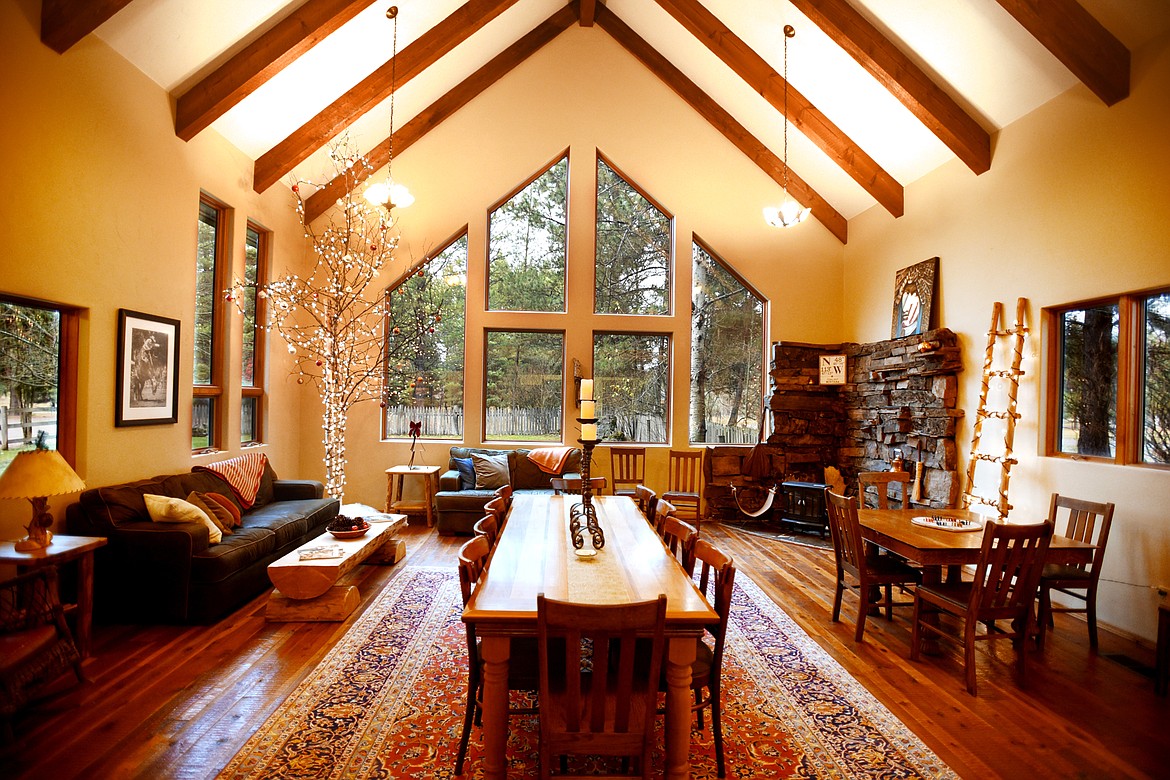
(914, 298)
(148, 369)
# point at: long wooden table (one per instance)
(534, 555)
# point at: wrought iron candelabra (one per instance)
(583, 516)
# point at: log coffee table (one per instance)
(308, 590)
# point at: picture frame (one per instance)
(832, 369)
(914, 299)
(148, 370)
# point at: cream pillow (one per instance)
(164, 509)
(491, 471)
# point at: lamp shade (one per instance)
(39, 473)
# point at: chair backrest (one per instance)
(611, 709)
(881, 480)
(717, 574)
(573, 485)
(1008, 573)
(686, 471)
(679, 537)
(498, 508)
(1088, 521)
(505, 492)
(647, 501)
(662, 510)
(628, 467)
(488, 528)
(844, 528)
(472, 561)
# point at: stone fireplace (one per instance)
(898, 402)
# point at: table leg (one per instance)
(678, 707)
(495, 651)
(84, 602)
(430, 487)
(931, 575)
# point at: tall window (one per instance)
(207, 391)
(631, 373)
(525, 385)
(1111, 364)
(38, 376)
(256, 248)
(424, 360)
(727, 354)
(527, 245)
(632, 268)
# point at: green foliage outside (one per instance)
(525, 371)
(527, 246)
(30, 339)
(631, 372)
(632, 272)
(206, 294)
(1156, 406)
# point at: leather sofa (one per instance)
(459, 507)
(169, 572)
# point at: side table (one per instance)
(63, 550)
(430, 485)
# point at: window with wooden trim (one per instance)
(632, 267)
(253, 351)
(1109, 379)
(631, 382)
(207, 369)
(38, 376)
(525, 383)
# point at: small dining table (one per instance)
(533, 555)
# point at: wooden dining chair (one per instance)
(488, 528)
(1007, 577)
(662, 510)
(609, 709)
(498, 509)
(880, 481)
(871, 571)
(679, 537)
(473, 559)
(686, 482)
(573, 485)
(504, 492)
(1087, 521)
(647, 501)
(628, 469)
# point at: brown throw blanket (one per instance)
(550, 460)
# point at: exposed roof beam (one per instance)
(65, 22)
(268, 55)
(429, 118)
(908, 82)
(722, 121)
(752, 68)
(1079, 41)
(372, 90)
(588, 12)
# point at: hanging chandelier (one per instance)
(789, 212)
(390, 194)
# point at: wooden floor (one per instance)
(178, 702)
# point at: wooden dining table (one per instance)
(534, 555)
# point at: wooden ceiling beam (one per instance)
(262, 59)
(372, 90)
(432, 116)
(1079, 41)
(904, 79)
(758, 74)
(65, 22)
(588, 12)
(724, 122)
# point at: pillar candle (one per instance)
(588, 431)
(586, 389)
(588, 409)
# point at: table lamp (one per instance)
(35, 475)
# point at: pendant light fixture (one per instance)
(389, 194)
(789, 212)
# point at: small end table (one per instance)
(396, 475)
(63, 550)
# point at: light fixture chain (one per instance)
(392, 13)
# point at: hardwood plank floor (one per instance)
(179, 701)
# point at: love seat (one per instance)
(170, 572)
(460, 504)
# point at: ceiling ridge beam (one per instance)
(758, 74)
(65, 22)
(719, 118)
(937, 110)
(456, 98)
(1079, 41)
(372, 90)
(259, 61)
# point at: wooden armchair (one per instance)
(628, 468)
(679, 537)
(881, 481)
(686, 483)
(36, 646)
(1087, 521)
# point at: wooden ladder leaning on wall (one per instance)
(1007, 414)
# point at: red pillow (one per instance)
(227, 503)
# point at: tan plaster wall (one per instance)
(1076, 205)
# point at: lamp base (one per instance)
(30, 544)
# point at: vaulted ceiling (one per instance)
(880, 92)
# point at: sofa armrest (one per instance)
(449, 480)
(296, 489)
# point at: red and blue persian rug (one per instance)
(388, 702)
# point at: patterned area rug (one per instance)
(387, 702)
